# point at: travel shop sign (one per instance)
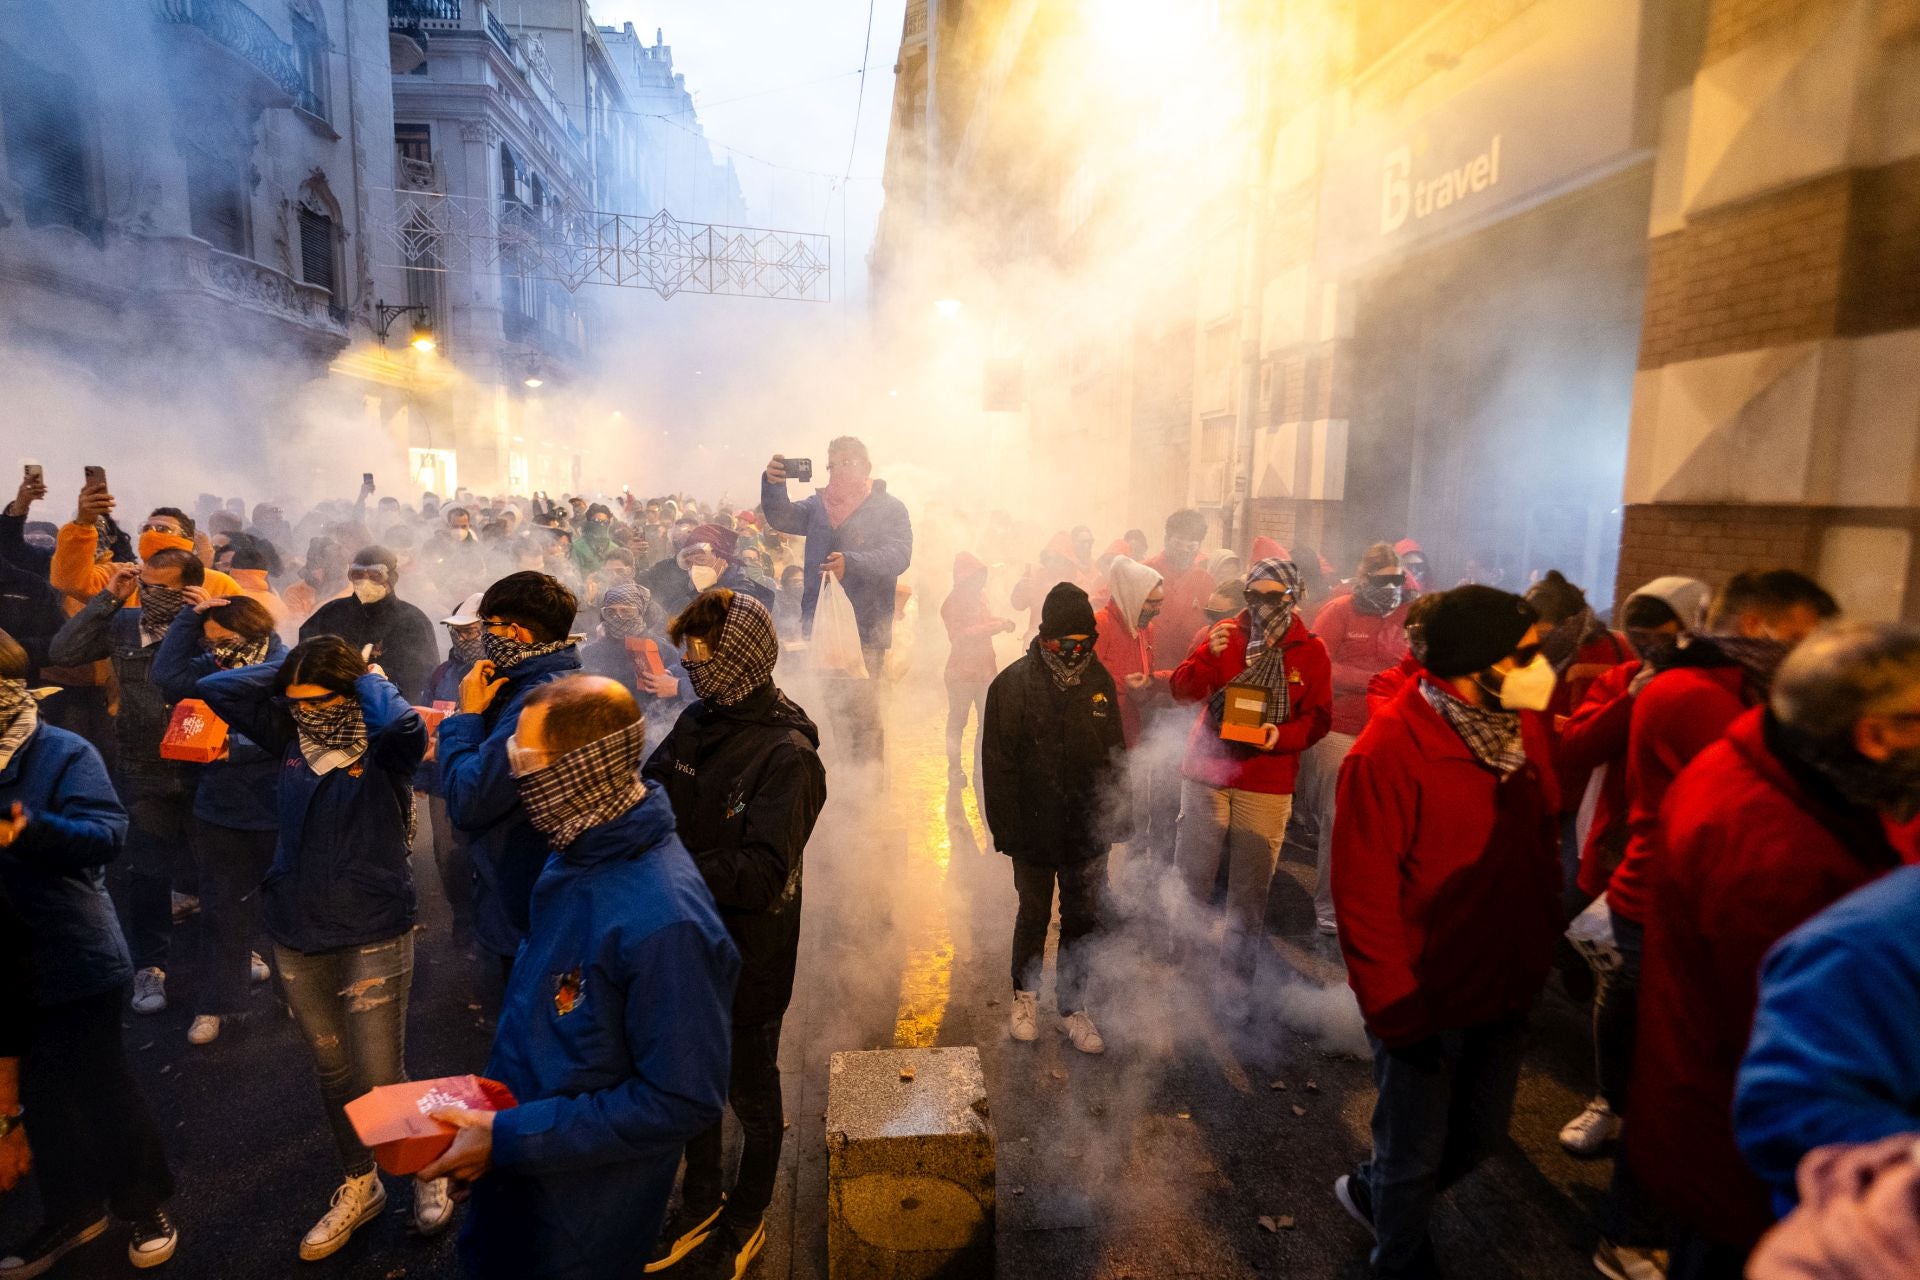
(1538, 107)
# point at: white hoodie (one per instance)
(1131, 583)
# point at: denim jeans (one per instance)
(232, 865)
(1083, 892)
(1249, 826)
(94, 1139)
(351, 1004)
(753, 1091)
(1443, 1105)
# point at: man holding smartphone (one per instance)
(861, 534)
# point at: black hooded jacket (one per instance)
(1052, 764)
(403, 641)
(746, 786)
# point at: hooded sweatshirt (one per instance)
(1125, 648)
(970, 624)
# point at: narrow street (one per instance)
(1157, 1159)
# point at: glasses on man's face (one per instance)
(620, 613)
(159, 526)
(524, 760)
(497, 628)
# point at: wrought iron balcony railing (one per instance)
(405, 13)
(236, 27)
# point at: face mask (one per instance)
(153, 542)
(506, 651)
(1271, 617)
(467, 646)
(1529, 688)
(334, 728)
(1148, 614)
(159, 606)
(1375, 597)
(599, 531)
(370, 592)
(703, 575)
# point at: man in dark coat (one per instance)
(396, 634)
(1052, 765)
(744, 778)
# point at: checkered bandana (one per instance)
(505, 652)
(586, 787)
(1493, 736)
(239, 652)
(18, 716)
(158, 608)
(331, 737)
(1266, 665)
(743, 657)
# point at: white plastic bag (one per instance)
(1591, 934)
(836, 633)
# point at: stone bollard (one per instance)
(909, 1165)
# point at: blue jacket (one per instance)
(241, 791)
(54, 871)
(340, 876)
(1835, 1050)
(615, 1038)
(877, 541)
(483, 802)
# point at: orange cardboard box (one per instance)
(433, 715)
(645, 650)
(1244, 718)
(395, 1120)
(194, 734)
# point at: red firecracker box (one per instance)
(434, 714)
(396, 1120)
(194, 734)
(647, 652)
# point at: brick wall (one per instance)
(1761, 273)
(1713, 542)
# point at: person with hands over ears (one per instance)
(1446, 881)
(526, 621)
(236, 814)
(338, 901)
(615, 1033)
(1235, 797)
(125, 624)
(94, 1140)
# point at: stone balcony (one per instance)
(231, 29)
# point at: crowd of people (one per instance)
(1697, 811)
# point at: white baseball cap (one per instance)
(468, 613)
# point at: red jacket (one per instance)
(1361, 647)
(1184, 611)
(1446, 877)
(971, 627)
(1218, 763)
(1123, 655)
(1386, 685)
(1749, 854)
(1678, 715)
(1595, 736)
(1591, 661)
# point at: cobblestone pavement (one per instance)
(1157, 1159)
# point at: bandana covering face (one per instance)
(587, 787)
(505, 652)
(1266, 664)
(158, 608)
(625, 594)
(467, 647)
(1567, 639)
(1493, 736)
(1065, 660)
(743, 656)
(1375, 598)
(844, 494)
(1890, 787)
(239, 652)
(18, 716)
(331, 737)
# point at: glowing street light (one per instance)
(947, 308)
(532, 381)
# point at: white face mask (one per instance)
(703, 575)
(370, 592)
(1529, 688)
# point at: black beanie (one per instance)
(1470, 628)
(1067, 612)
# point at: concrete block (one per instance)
(910, 1165)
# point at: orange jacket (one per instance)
(75, 573)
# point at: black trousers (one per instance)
(1083, 891)
(232, 865)
(94, 1140)
(159, 812)
(753, 1090)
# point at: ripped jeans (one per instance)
(351, 1004)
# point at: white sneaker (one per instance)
(257, 968)
(1079, 1028)
(432, 1207)
(1026, 1015)
(1619, 1262)
(205, 1029)
(1588, 1133)
(150, 990)
(1327, 925)
(356, 1202)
